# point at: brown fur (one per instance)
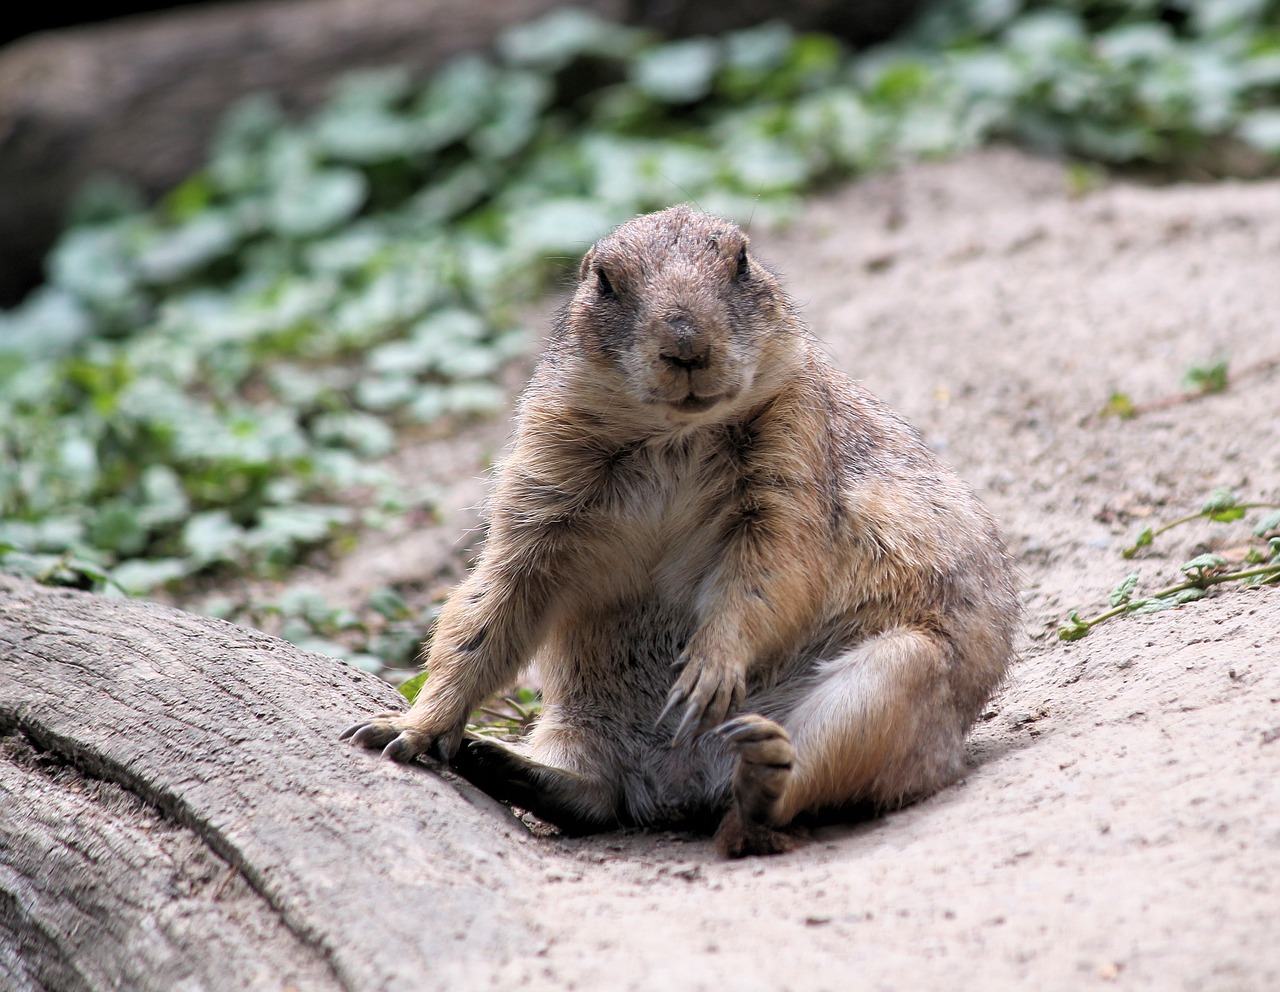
(701, 519)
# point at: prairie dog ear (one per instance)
(587, 259)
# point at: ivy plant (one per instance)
(209, 384)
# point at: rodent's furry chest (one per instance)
(641, 551)
(655, 527)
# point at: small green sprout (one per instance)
(1201, 572)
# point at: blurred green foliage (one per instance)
(209, 383)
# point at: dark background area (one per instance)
(24, 20)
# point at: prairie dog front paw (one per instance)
(709, 691)
(403, 737)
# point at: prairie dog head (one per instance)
(673, 314)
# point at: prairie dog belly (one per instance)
(606, 674)
(605, 677)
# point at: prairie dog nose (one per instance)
(682, 347)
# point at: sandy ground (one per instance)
(1120, 826)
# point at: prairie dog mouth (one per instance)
(697, 404)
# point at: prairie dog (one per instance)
(751, 589)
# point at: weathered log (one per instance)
(251, 849)
(97, 889)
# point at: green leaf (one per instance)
(212, 536)
(63, 569)
(753, 56)
(433, 345)
(315, 202)
(326, 646)
(249, 123)
(78, 464)
(1143, 540)
(380, 89)
(759, 50)
(1207, 378)
(1075, 629)
(140, 576)
(457, 99)
(391, 298)
(468, 362)
(1263, 578)
(1188, 595)
(557, 39)
(52, 533)
(1120, 405)
(677, 72)
(838, 125)
(49, 323)
(397, 646)
(366, 434)
(428, 404)
(190, 198)
(363, 660)
(567, 226)
(282, 528)
(389, 603)
(897, 82)
(1123, 592)
(1200, 566)
(520, 98)
(22, 564)
(393, 360)
(763, 165)
(453, 194)
(164, 500)
(307, 603)
(411, 687)
(178, 253)
(1261, 129)
(1082, 179)
(1047, 38)
(527, 697)
(475, 398)
(1267, 524)
(364, 135)
(118, 526)
(1220, 500)
(387, 391)
(94, 264)
(1134, 45)
(348, 250)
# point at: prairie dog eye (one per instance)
(744, 268)
(603, 286)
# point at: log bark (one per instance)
(176, 812)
